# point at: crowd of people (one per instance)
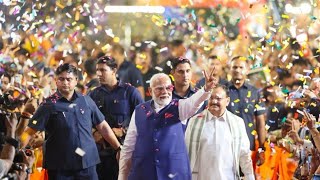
(189, 113)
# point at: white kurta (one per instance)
(217, 147)
(215, 157)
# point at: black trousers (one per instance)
(89, 173)
(108, 169)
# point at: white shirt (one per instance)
(187, 108)
(2, 168)
(215, 160)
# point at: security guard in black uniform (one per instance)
(117, 101)
(68, 117)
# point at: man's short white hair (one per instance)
(158, 76)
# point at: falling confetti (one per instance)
(249, 94)
(254, 132)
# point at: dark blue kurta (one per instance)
(160, 151)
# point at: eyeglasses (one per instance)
(62, 79)
(169, 88)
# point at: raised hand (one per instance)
(31, 106)
(295, 136)
(210, 80)
(11, 123)
(310, 120)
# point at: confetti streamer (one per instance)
(249, 94)
(283, 120)
(254, 132)
(193, 15)
(284, 16)
(164, 49)
(159, 68)
(275, 109)
(267, 127)
(59, 5)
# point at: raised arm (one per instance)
(188, 107)
(310, 119)
(8, 151)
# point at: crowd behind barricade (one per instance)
(275, 91)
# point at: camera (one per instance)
(12, 99)
(13, 173)
(11, 176)
(16, 167)
(18, 158)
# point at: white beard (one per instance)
(162, 102)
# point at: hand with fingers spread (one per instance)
(310, 94)
(293, 133)
(310, 120)
(210, 80)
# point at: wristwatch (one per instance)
(119, 148)
(13, 142)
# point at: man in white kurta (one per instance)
(217, 142)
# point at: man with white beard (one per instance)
(154, 147)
